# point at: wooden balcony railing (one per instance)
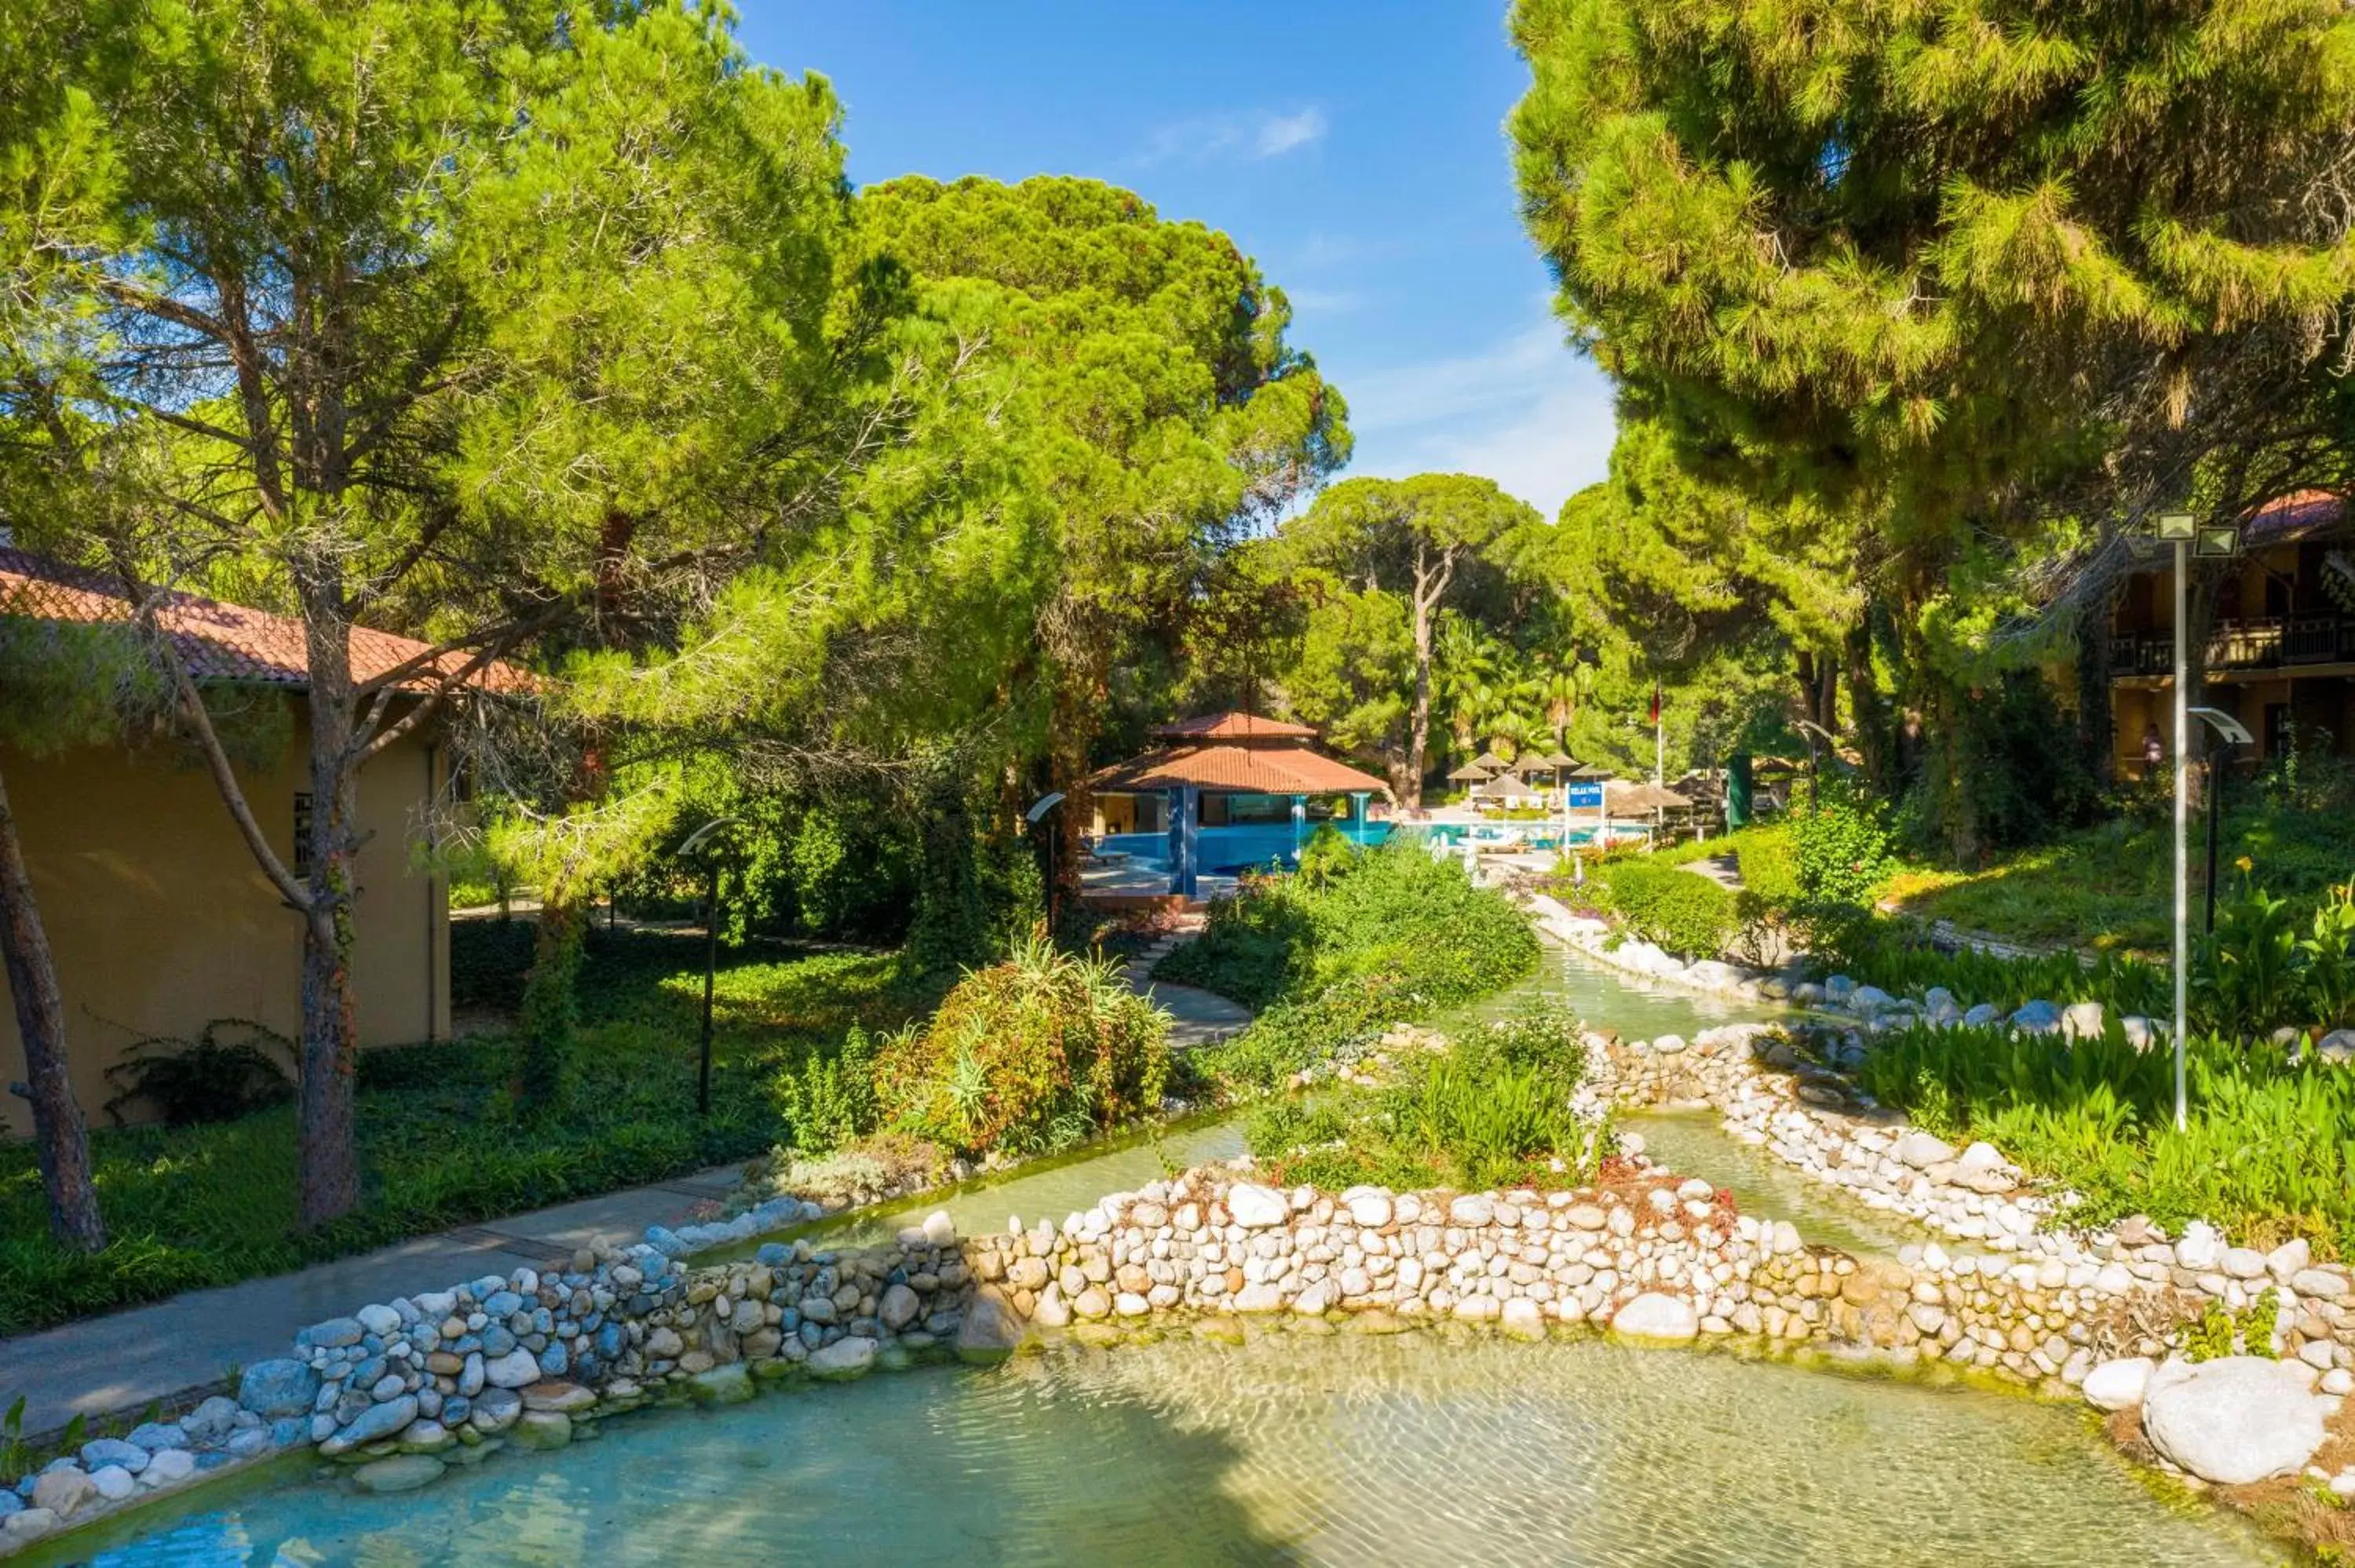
(2264, 642)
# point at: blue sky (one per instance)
(1356, 149)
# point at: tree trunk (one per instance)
(327, 1112)
(60, 1140)
(2096, 743)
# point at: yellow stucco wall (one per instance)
(161, 921)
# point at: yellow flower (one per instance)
(2244, 865)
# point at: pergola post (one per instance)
(1183, 827)
(1299, 824)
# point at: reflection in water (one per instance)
(1335, 1448)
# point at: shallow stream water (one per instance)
(1338, 1448)
(1300, 1446)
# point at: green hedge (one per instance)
(1681, 910)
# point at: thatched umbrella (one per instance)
(1510, 787)
(1489, 760)
(1470, 773)
(1619, 797)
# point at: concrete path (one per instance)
(1197, 1017)
(179, 1348)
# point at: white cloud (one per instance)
(1529, 411)
(1283, 132)
(1256, 134)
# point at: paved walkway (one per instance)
(1197, 1017)
(102, 1366)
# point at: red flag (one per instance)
(1656, 701)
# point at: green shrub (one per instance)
(1392, 910)
(1388, 936)
(1030, 1054)
(1681, 910)
(827, 1098)
(1769, 863)
(1843, 848)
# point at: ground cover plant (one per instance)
(443, 1138)
(1491, 1111)
(1385, 937)
(2269, 1152)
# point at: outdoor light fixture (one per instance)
(699, 840)
(2178, 527)
(2218, 540)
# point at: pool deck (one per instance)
(178, 1348)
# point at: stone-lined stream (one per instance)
(1305, 1445)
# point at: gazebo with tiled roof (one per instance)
(1224, 791)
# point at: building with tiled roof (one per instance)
(1226, 791)
(220, 641)
(159, 918)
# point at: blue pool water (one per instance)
(1227, 850)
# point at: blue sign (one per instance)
(1590, 795)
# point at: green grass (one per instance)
(442, 1141)
(2111, 887)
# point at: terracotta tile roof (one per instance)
(2302, 515)
(219, 641)
(1256, 769)
(1233, 726)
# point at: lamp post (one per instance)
(1038, 811)
(2182, 530)
(2177, 528)
(2230, 733)
(697, 841)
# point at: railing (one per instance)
(2264, 642)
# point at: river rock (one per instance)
(2117, 1385)
(2232, 1421)
(494, 1410)
(990, 1330)
(899, 1308)
(1368, 1206)
(2082, 1021)
(730, 1385)
(2038, 1017)
(2141, 1033)
(517, 1369)
(63, 1491)
(1923, 1150)
(401, 1473)
(107, 1451)
(1982, 1015)
(843, 1360)
(541, 1429)
(1256, 1208)
(168, 1467)
(2199, 1246)
(1656, 1320)
(277, 1388)
(376, 1421)
(2339, 1045)
(113, 1483)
